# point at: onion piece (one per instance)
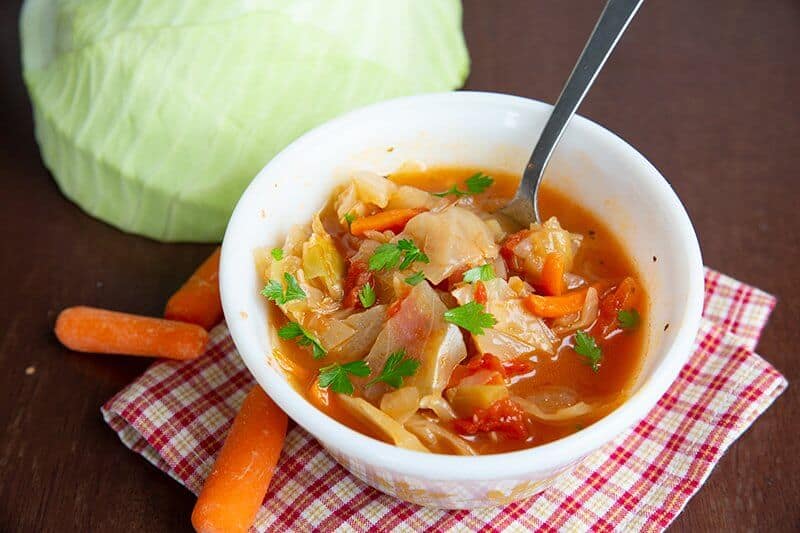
(438, 405)
(437, 437)
(565, 414)
(381, 423)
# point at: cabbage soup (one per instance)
(409, 311)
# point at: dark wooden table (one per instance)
(709, 91)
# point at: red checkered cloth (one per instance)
(177, 414)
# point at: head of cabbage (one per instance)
(154, 115)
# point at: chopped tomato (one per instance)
(483, 370)
(517, 367)
(453, 279)
(483, 377)
(480, 293)
(459, 373)
(511, 242)
(503, 416)
(394, 308)
(625, 296)
(358, 275)
(488, 362)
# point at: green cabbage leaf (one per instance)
(154, 115)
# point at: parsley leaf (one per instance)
(293, 289)
(471, 317)
(349, 218)
(586, 346)
(336, 376)
(479, 273)
(277, 254)
(389, 254)
(295, 331)
(415, 279)
(628, 319)
(397, 367)
(411, 254)
(273, 290)
(367, 296)
(476, 184)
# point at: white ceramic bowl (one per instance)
(493, 132)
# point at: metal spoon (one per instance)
(612, 23)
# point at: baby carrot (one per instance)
(87, 329)
(197, 301)
(552, 279)
(236, 486)
(394, 219)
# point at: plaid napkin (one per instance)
(177, 414)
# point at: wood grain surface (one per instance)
(708, 90)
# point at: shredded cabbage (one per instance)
(154, 115)
(382, 424)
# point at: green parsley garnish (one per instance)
(479, 273)
(628, 319)
(415, 279)
(367, 296)
(586, 346)
(397, 367)
(336, 376)
(476, 184)
(273, 290)
(295, 331)
(389, 254)
(349, 218)
(471, 316)
(277, 254)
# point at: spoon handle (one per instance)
(609, 28)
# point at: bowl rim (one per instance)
(506, 465)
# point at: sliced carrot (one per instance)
(238, 482)
(197, 301)
(555, 306)
(568, 303)
(551, 281)
(88, 329)
(393, 219)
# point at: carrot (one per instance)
(565, 304)
(88, 329)
(197, 301)
(551, 281)
(238, 482)
(555, 306)
(394, 219)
